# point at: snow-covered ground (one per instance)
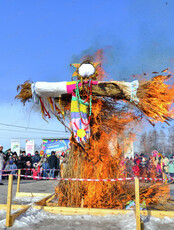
(38, 219)
(26, 200)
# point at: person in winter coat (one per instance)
(23, 158)
(36, 170)
(57, 172)
(143, 166)
(29, 158)
(165, 161)
(1, 163)
(45, 168)
(28, 168)
(52, 161)
(137, 160)
(171, 167)
(7, 167)
(36, 158)
(19, 163)
(136, 170)
(13, 166)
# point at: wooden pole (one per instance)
(18, 182)
(137, 202)
(82, 202)
(9, 199)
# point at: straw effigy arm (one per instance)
(154, 96)
(115, 89)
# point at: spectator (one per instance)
(14, 154)
(7, 155)
(171, 167)
(57, 166)
(19, 163)
(14, 158)
(23, 159)
(143, 165)
(165, 161)
(128, 167)
(28, 168)
(137, 160)
(7, 167)
(159, 169)
(136, 170)
(36, 170)
(52, 161)
(10, 160)
(45, 168)
(36, 158)
(13, 166)
(28, 158)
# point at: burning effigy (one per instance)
(100, 113)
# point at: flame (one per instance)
(97, 159)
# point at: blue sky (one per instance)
(39, 39)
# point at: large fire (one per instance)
(95, 159)
(114, 114)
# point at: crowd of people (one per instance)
(150, 167)
(45, 166)
(154, 166)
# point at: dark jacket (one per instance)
(58, 164)
(23, 159)
(36, 158)
(28, 158)
(19, 164)
(52, 161)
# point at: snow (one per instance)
(26, 200)
(39, 219)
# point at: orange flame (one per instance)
(97, 160)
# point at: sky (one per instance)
(39, 39)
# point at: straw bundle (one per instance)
(25, 93)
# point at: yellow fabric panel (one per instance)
(74, 107)
(71, 82)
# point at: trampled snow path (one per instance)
(26, 200)
(38, 219)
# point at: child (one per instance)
(45, 168)
(28, 168)
(12, 167)
(136, 170)
(36, 170)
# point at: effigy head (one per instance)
(86, 70)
